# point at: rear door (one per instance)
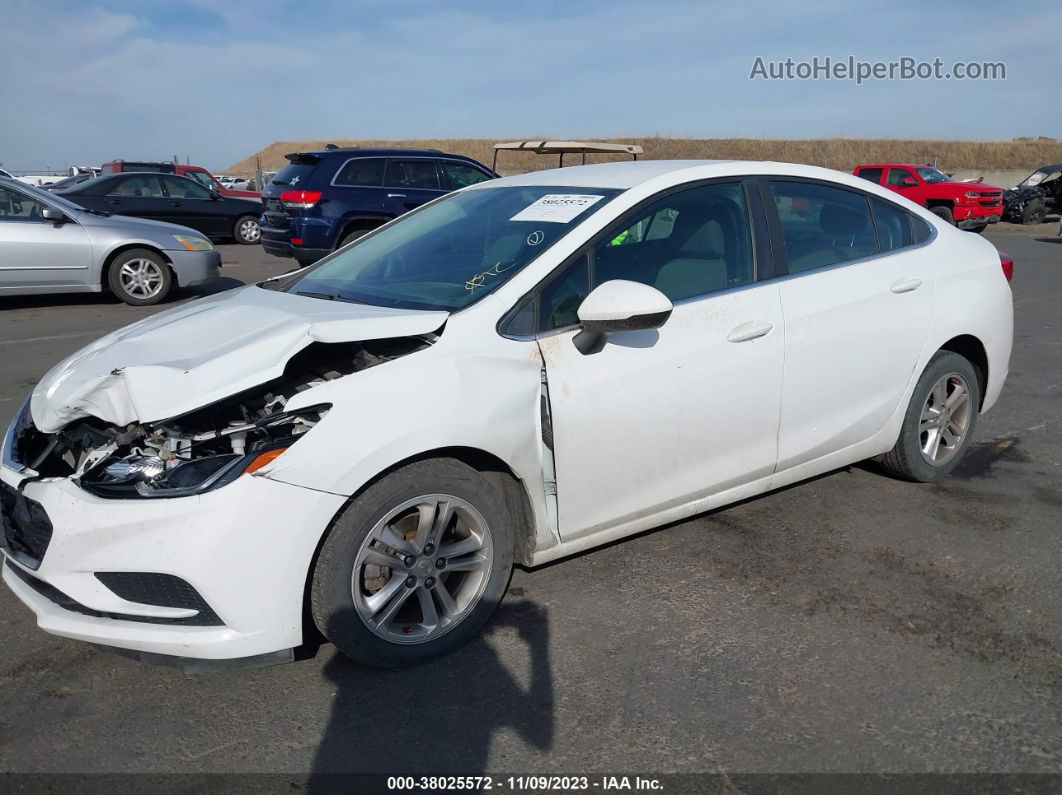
(409, 183)
(857, 303)
(138, 194)
(36, 252)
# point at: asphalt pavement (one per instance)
(848, 623)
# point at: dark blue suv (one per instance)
(323, 200)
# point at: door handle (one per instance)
(113, 201)
(396, 195)
(752, 330)
(906, 285)
(175, 204)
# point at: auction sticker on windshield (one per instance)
(558, 208)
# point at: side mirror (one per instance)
(54, 215)
(619, 305)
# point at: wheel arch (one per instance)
(973, 350)
(353, 222)
(948, 204)
(496, 471)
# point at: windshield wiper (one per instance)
(310, 294)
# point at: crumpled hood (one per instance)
(193, 355)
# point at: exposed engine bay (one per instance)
(205, 448)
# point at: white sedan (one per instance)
(512, 373)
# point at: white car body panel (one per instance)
(852, 345)
(703, 422)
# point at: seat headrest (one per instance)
(839, 220)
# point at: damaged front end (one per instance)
(203, 449)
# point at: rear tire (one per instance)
(939, 423)
(379, 592)
(354, 234)
(944, 213)
(246, 231)
(140, 277)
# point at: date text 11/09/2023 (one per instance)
(522, 783)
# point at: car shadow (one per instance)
(441, 717)
(1048, 239)
(219, 285)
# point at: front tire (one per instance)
(246, 230)
(939, 423)
(944, 213)
(1033, 213)
(140, 277)
(415, 566)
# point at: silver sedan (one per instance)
(51, 245)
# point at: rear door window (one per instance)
(823, 225)
(415, 174)
(460, 175)
(871, 174)
(361, 172)
(140, 186)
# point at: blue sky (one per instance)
(81, 82)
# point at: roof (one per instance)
(624, 174)
(576, 147)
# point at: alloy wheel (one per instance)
(141, 278)
(422, 569)
(945, 420)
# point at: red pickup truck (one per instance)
(968, 205)
(198, 173)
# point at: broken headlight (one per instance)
(18, 425)
(173, 464)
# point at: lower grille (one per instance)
(53, 594)
(27, 531)
(161, 590)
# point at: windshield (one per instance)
(932, 175)
(454, 251)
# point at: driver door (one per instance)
(661, 418)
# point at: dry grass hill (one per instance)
(839, 153)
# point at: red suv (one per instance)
(967, 205)
(198, 173)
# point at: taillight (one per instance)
(300, 199)
(1008, 265)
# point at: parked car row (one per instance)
(49, 244)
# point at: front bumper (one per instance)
(976, 221)
(246, 550)
(193, 268)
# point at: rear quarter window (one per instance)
(361, 172)
(871, 174)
